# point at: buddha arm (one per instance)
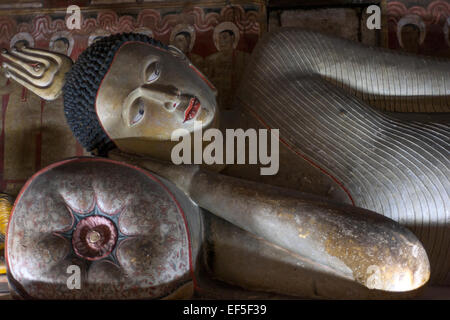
(354, 242)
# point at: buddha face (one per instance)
(411, 38)
(149, 92)
(226, 40)
(61, 45)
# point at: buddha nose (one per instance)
(167, 95)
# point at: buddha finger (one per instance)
(17, 74)
(39, 91)
(24, 63)
(31, 58)
(49, 93)
(43, 54)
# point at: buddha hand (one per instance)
(40, 71)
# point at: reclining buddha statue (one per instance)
(132, 234)
(129, 92)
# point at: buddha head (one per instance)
(62, 42)
(183, 41)
(132, 91)
(226, 40)
(226, 36)
(61, 45)
(21, 39)
(183, 37)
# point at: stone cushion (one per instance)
(118, 225)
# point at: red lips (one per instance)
(192, 109)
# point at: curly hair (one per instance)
(81, 86)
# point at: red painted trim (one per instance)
(340, 184)
(91, 159)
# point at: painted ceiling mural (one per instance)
(420, 27)
(42, 137)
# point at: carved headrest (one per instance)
(116, 227)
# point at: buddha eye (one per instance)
(152, 72)
(137, 111)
